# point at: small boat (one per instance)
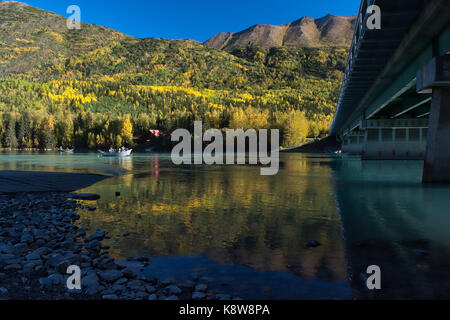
(67, 150)
(111, 153)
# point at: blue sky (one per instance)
(194, 19)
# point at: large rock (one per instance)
(7, 257)
(201, 287)
(96, 236)
(93, 246)
(6, 248)
(42, 251)
(198, 295)
(62, 266)
(54, 260)
(20, 248)
(150, 289)
(172, 290)
(129, 273)
(32, 256)
(141, 295)
(121, 281)
(56, 279)
(90, 282)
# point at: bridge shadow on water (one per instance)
(391, 220)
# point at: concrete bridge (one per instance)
(395, 97)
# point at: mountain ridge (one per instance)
(329, 30)
(35, 44)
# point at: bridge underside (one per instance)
(394, 102)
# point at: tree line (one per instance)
(85, 114)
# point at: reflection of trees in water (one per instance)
(231, 213)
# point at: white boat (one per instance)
(125, 153)
(66, 150)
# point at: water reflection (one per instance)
(249, 231)
(230, 214)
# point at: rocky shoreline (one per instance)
(39, 240)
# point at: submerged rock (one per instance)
(312, 244)
(85, 196)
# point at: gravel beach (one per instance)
(39, 241)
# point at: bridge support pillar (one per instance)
(399, 139)
(437, 158)
(435, 78)
(353, 143)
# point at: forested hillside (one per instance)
(96, 87)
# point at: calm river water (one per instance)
(248, 232)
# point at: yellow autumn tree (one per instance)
(257, 119)
(238, 119)
(127, 131)
(296, 128)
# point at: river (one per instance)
(248, 232)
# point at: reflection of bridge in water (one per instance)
(391, 220)
(395, 97)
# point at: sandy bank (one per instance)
(32, 181)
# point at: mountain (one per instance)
(36, 45)
(97, 87)
(34, 38)
(306, 32)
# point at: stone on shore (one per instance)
(172, 290)
(198, 295)
(38, 242)
(110, 276)
(201, 287)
